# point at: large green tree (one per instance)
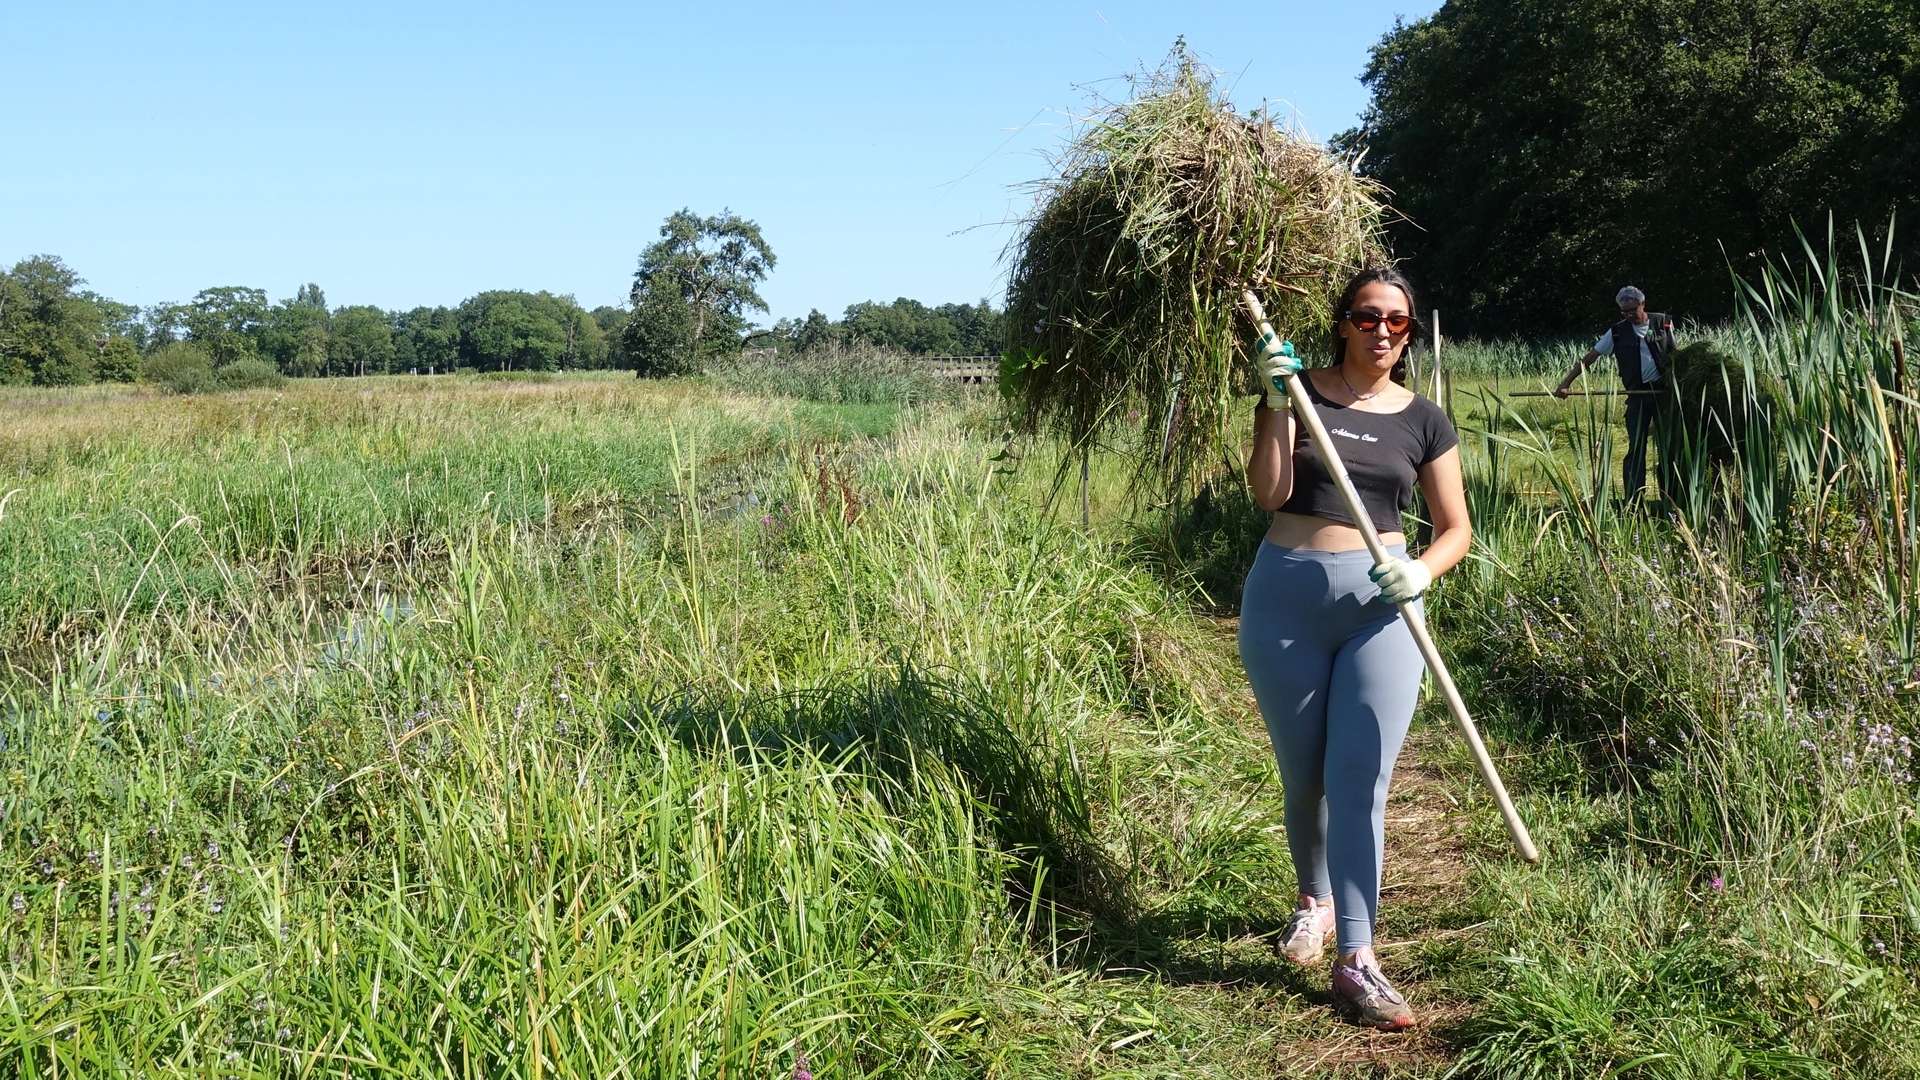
(507, 330)
(226, 322)
(360, 341)
(1545, 152)
(511, 335)
(50, 331)
(295, 334)
(693, 290)
(427, 339)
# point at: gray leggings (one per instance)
(1337, 675)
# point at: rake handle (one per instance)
(1585, 393)
(1409, 611)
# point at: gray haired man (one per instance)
(1640, 344)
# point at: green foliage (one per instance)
(507, 333)
(119, 361)
(658, 337)
(360, 341)
(507, 330)
(180, 367)
(295, 334)
(48, 328)
(226, 322)
(693, 290)
(427, 338)
(1721, 407)
(1716, 710)
(1546, 153)
(612, 323)
(910, 326)
(813, 332)
(249, 374)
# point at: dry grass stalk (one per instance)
(1126, 277)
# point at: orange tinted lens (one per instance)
(1366, 322)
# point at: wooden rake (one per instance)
(1410, 611)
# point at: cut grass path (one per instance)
(1426, 923)
(1275, 1019)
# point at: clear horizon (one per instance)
(416, 154)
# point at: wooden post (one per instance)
(1439, 391)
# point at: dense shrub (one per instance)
(181, 368)
(119, 361)
(248, 375)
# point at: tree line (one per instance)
(54, 332)
(688, 306)
(1545, 152)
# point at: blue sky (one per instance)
(404, 154)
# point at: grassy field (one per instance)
(593, 727)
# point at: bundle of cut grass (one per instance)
(1721, 405)
(1126, 279)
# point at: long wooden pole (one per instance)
(1410, 611)
(1584, 393)
(1439, 391)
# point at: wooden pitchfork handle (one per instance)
(1416, 622)
(1585, 393)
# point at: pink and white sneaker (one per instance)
(1368, 999)
(1306, 936)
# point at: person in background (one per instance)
(1640, 344)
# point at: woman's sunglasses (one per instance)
(1368, 321)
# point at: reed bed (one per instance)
(840, 372)
(1717, 701)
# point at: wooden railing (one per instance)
(966, 369)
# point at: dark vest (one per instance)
(1626, 348)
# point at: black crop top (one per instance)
(1383, 453)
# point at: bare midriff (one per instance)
(1319, 534)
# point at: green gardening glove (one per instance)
(1401, 581)
(1276, 362)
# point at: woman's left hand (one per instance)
(1401, 580)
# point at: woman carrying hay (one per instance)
(1333, 666)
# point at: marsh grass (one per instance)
(217, 499)
(839, 372)
(1718, 706)
(835, 751)
(599, 727)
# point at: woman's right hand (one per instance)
(1276, 362)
